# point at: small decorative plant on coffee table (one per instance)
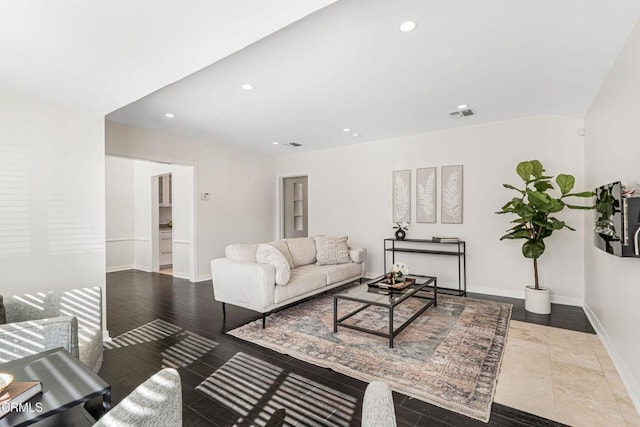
(397, 272)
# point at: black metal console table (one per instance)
(433, 247)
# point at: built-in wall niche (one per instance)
(617, 220)
(298, 206)
(295, 209)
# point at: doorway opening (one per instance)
(165, 224)
(150, 217)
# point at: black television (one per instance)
(617, 225)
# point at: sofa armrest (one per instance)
(358, 255)
(155, 402)
(22, 339)
(377, 406)
(245, 284)
(85, 304)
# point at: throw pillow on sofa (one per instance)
(332, 250)
(281, 245)
(267, 254)
(303, 250)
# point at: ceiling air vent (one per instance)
(293, 144)
(462, 113)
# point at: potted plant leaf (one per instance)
(534, 208)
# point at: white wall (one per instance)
(612, 153)
(242, 206)
(132, 232)
(144, 201)
(184, 226)
(120, 209)
(350, 193)
(51, 198)
(147, 217)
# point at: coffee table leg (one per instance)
(435, 292)
(106, 400)
(335, 314)
(391, 327)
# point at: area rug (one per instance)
(450, 356)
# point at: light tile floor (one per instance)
(562, 375)
(168, 271)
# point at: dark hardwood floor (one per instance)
(191, 335)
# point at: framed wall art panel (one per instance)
(401, 206)
(426, 181)
(451, 195)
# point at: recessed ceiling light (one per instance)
(346, 130)
(275, 143)
(355, 135)
(462, 106)
(407, 26)
(170, 115)
(247, 86)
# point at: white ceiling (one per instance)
(99, 55)
(349, 66)
(346, 65)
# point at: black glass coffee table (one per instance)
(389, 299)
(66, 383)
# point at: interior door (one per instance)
(295, 217)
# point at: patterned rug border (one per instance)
(443, 403)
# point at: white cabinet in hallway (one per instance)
(166, 247)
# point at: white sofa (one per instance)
(254, 276)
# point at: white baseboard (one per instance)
(508, 293)
(145, 268)
(577, 302)
(203, 277)
(519, 294)
(120, 268)
(625, 375)
(182, 275)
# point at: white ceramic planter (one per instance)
(537, 301)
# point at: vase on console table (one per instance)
(400, 227)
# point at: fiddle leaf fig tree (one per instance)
(534, 207)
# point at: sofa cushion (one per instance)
(243, 252)
(332, 250)
(3, 313)
(267, 254)
(284, 250)
(303, 250)
(302, 281)
(339, 272)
